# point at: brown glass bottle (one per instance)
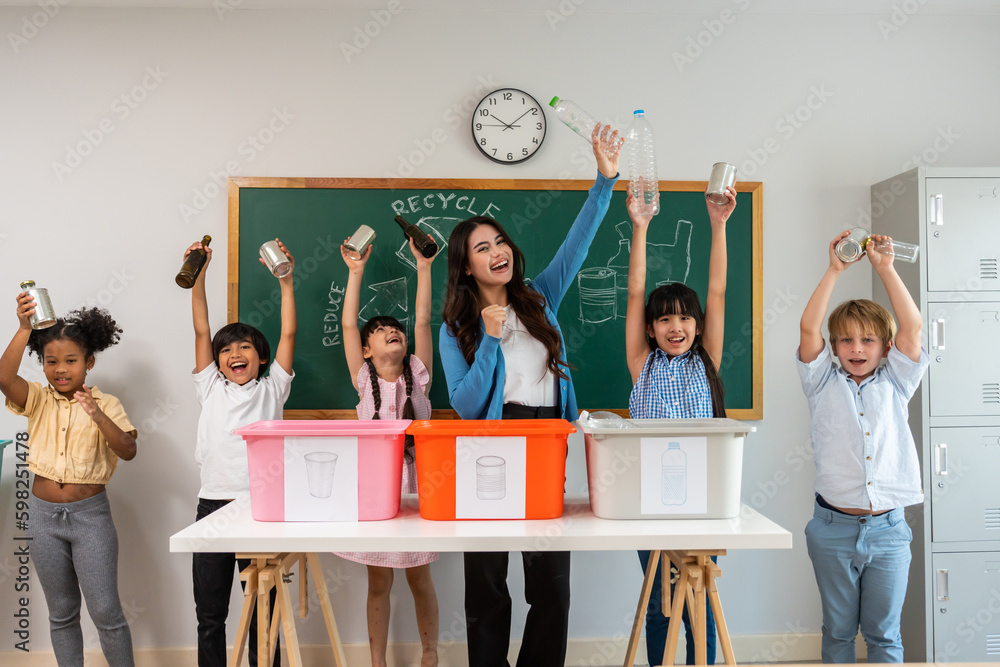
(425, 244)
(193, 265)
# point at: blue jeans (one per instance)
(657, 624)
(861, 565)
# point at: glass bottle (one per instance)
(193, 264)
(425, 244)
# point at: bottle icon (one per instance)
(673, 484)
(850, 248)
(619, 265)
(193, 265)
(44, 315)
(642, 164)
(575, 118)
(425, 244)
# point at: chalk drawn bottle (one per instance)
(642, 164)
(193, 264)
(673, 485)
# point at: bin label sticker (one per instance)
(321, 478)
(673, 475)
(490, 477)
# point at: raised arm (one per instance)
(13, 385)
(636, 343)
(289, 324)
(908, 338)
(423, 345)
(811, 325)
(203, 356)
(715, 303)
(349, 316)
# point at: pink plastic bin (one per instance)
(380, 463)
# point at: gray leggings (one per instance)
(72, 538)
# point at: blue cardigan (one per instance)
(476, 391)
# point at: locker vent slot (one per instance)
(988, 268)
(991, 392)
(992, 644)
(992, 517)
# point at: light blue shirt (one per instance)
(671, 388)
(864, 451)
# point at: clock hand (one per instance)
(515, 120)
(495, 118)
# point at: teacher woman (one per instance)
(504, 357)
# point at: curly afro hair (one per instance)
(93, 329)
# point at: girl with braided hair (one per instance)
(393, 385)
(78, 434)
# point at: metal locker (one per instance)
(962, 380)
(965, 496)
(966, 607)
(963, 234)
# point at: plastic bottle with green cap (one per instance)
(573, 117)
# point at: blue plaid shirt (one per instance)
(671, 388)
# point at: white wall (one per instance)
(111, 230)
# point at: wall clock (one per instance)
(508, 126)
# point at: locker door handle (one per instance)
(941, 459)
(935, 210)
(937, 334)
(942, 585)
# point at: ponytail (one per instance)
(408, 412)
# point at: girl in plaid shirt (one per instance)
(393, 385)
(673, 351)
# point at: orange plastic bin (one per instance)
(542, 474)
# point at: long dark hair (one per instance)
(93, 329)
(408, 413)
(462, 307)
(679, 299)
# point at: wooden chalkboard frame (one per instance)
(755, 188)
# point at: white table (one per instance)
(688, 543)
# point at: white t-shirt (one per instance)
(527, 378)
(225, 406)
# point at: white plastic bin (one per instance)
(664, 468)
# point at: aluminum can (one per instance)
(358, 244)
(277, 262)
(44, 315)
(723, 175)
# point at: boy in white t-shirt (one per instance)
(233, 392)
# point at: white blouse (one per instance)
(527, 378)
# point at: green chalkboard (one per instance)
(313, 216)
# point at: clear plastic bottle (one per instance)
(642, 163)
(573, 117)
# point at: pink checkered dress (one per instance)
(393, 398)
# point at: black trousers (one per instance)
(212, 574)
(488, 608)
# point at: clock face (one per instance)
(508, 126)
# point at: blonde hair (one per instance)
(869, 316)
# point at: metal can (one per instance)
(723, 175)
(277, 262)
(358, 244)
(852, 247)
(44, 315)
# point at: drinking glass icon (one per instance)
(320, 468)
(673, 484)
(491, 478)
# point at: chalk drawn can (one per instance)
(44, 315)
(358, 244)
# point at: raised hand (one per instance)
(607, 149)
(25, 309)
(878, 259)
(419, 256)
(837, 264)
(355, 264)
(640, 215)
(718, 214)
(494, 317)
(291, 260)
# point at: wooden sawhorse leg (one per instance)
(272, 570)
